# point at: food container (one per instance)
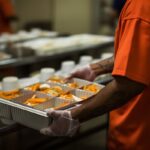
(35, 117)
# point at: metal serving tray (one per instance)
(36, 117)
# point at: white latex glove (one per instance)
(85, 73)
(62, 124)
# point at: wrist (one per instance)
(96, 68)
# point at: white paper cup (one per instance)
(46, 73)
(106, 55)
(10, 83)
(67, 66)
(84, 60)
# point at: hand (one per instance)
(62, 124)
(84, 73)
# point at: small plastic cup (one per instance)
(67, 66)
(46, 73)
(84, 60)
(106, 55)
(10, 83)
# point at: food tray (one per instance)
(36, 117)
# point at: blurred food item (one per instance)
(34, 87)
(56, 79)
(73, 85)
(83, 97)
(92, 88)
(46, 88)
(9, 95)
(54, 91)
(66, 95)
(34, 100)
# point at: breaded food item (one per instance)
(46, 88)
(73, 85)
(35, 101)
(67, 96)
(54, 91)
(9, 95)
(34, 87)
(83, 97)
(56, 79)
(92, 88)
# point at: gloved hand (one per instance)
(85, 72)
(62, 124)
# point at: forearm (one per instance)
(108, 99)
(104, 66)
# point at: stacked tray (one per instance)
(30, 106)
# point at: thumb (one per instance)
(68, 78)
(54, 114)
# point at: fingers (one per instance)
(54, 114)
(68, 78)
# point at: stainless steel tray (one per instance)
(36, 117)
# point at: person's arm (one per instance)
(104, 66)
(114, 95)
(90, 72)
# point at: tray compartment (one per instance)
(29, 94)
(83, 95)
(52, 85)
(98, 87)
(79, 82)
(54, 103)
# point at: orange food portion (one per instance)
(83, 97)
(91, 88)
(54, 91)
(56, 79)
(67, 96)
(9, 95)
(73, 85)
(34, 87)
(35, 101)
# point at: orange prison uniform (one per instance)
(6, 10)
(130, 125)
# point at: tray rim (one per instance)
(22, 107)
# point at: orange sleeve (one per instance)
(7, 8)
(132, 58)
